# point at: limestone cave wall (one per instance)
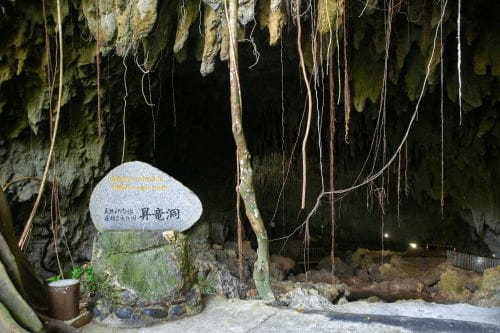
(163, 73)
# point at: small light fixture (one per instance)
(386, 235)
(494, 255)
(413, 246)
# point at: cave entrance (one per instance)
(379, 240)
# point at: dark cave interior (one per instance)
(187, 133)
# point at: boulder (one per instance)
(314, 276)
(227, 285)
(275, 272)
(280, 266)
(217, 271)
(457, 285)
(364, 258)
(341, 269)
(408, 288)
(284, 263)
(488, 293)
(332, 292)
(390, 272)
(305, 299)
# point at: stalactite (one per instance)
(212, 40)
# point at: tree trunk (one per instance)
(7, 323)
(18, 282)
(245, 187)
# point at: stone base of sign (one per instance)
(113, 314)
(144, 278)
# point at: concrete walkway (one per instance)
(237, 316)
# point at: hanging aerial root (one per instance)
(347, 90)
(399, 186)
(402, 144)
(98, 67)
(331, 80)
(459, 58)
(29, 224)
(442, 109)
(309, 104)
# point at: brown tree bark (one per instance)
(18, 282)
(245, 187)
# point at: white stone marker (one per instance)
(138, 196)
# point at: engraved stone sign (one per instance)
(138, 196)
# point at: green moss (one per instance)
(426, 38)
(379, 36)
(358, 37)
(116, 242)
(491, 280)
(207, 287)
(452, 285)
(87, 54)
(5, 73)
(144, 263)
(21, 56)
(359, 257)
(17, 127)
(34, 104)
(415, 75)
(487, 54)
(366, 78)
(144, 273)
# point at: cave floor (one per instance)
(234, 315)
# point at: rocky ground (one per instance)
(413, 275)
(234, 315)
(430, 295)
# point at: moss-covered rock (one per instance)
(341, 269)
(142, 275)
(457, 285)
(488, 293)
